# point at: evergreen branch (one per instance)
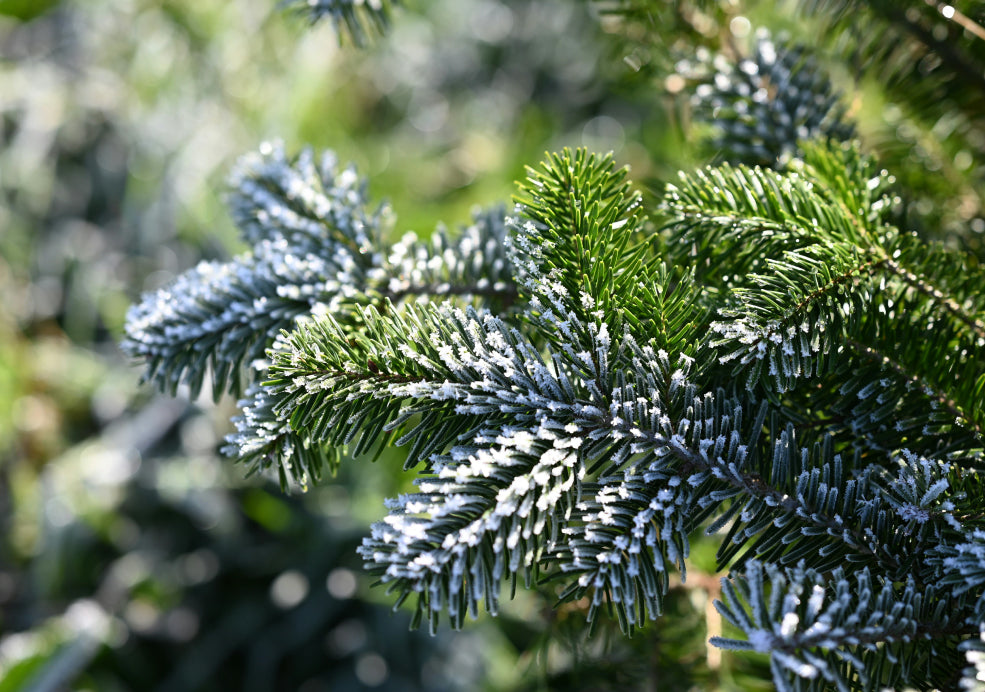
(800, 318)
(357, 20)
(589, 442)
(761, 108)
(457, 370)
(310, 202)
(316, 249)
(672, 311)
(795, 315)
(694, 465)
(707, 454)
(961, 416)
(840, 272)
(505, 294)
(835, 628)
(735, 217)
(473, 263)
(578, 244)
(853, 181)
(833, 194)
(637, 519)
(264, 437)
(223, 316)
(975, 324)
(693, 468)
(313, 250)
(491, 508)
(964, 569)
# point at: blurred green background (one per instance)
(132, 556)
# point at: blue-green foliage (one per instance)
(605, 408)
(762, 105)
(778, 364)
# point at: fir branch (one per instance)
(692, 465)
(474, 263)
(852, 180)
(356, 20)
(222, 316)
(316, 249)
(735, 217)
(456, 369)
(579, 242)
(948, 303)
(264, 437)
(313, 250)
(841, 273)
(589, 442)
(960, 416)
(763, 106)
(964, 569)
(834, 628)
(491, 508)
(310, 202)
(795, 315)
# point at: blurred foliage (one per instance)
(192, 582)
(132, 558)
(910, 71)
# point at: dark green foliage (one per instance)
(783, 365)
(764, 104)
(594, 459)
(874, 622)
(929, 61)
(316, 248)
